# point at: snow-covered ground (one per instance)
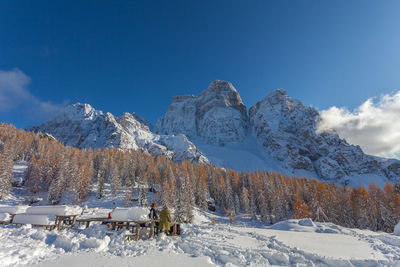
(211, 241)
(244, 243)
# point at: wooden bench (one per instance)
(49, 226)
(60, 222)
(133, 226)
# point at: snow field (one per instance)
(289, 243)
(152, 258)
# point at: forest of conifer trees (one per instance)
(266, 196)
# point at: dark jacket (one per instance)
(153, 214)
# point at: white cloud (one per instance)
(14, 94)
(374, 126)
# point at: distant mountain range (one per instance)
(278, 133)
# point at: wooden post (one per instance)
(151, 229)
(58, 222)
(73, 221)
(137, 231)
(12, 218)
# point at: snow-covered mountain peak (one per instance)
(217, 115)
(279, 99)
(218, 87)
(279, 108)
(278, 130)
(77, 112)
(222, 93)
(80, 125)
(278, 93)
(287, 130)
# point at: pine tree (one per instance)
(34, 175)
(143, 199)
(300, 209)
(244, 200)
(56, 187)
(201, 192)
(6, 167)
(115, 180)
(100, 186)
(229, 202)
(237, 204)
(128, 199)
(180, 204)
(188, 200)
(184, 201)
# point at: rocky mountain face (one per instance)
(217, 115)
(278, 131)
(288, 131)
(80, 125)
(284, 127)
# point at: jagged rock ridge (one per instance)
(80, 125)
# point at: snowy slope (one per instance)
(80, 125)
(289, 243)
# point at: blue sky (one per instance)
(135, 55)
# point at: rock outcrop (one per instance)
(217, 115)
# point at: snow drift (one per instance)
(132, 214)
(13, 209)
(34, 219)
(61, 210)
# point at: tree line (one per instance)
(266, 196)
